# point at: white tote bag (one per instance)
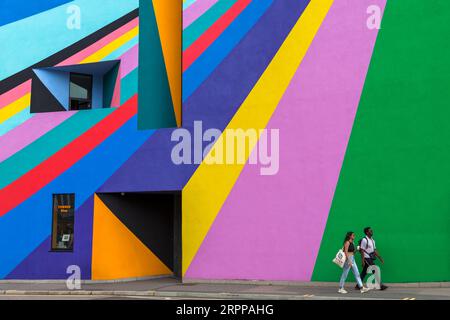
(340, 258)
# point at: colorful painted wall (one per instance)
(361, 113)
(364, 138)
(69, 151)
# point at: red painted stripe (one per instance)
(209, 36)
(37, 178)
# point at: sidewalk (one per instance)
(172, 288)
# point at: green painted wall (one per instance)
(396, 172)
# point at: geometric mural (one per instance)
(116, 252)
(361, 114)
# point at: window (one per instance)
(63, 222)
(80, 91)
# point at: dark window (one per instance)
(80, 91)
(63, 222)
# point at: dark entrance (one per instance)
(154, 218)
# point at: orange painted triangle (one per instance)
(116, 252)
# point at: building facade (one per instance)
(115, 154)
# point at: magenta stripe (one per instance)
(196, 10)
(129, 61)
(29, 131)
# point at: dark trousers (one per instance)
(367, 263)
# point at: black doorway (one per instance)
(153, 217)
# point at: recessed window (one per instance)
(80, 91)
(63, 222)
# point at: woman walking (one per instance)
(349, 250)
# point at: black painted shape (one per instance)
(42, 100)
(150, 217)
(24, 75)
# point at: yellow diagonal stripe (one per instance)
(113, 45)
(15, 107)
(206, 191)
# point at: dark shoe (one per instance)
(383, 287)
(357, 287)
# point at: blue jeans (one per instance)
(345, 271)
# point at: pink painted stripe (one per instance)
(271, 227)
(76, 58)
(196, 10)
(14, 94)
(129, 61)
(29, 131)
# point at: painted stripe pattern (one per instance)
(296, 66)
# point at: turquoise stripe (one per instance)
(35, 38)
(15, 121)
(122, 49)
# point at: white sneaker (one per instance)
(364, 289)
(342, 290)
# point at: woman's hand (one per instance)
(349, 262)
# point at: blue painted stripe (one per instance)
(14, 10)
(28, 225)
(15, 121)
(219, 50)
